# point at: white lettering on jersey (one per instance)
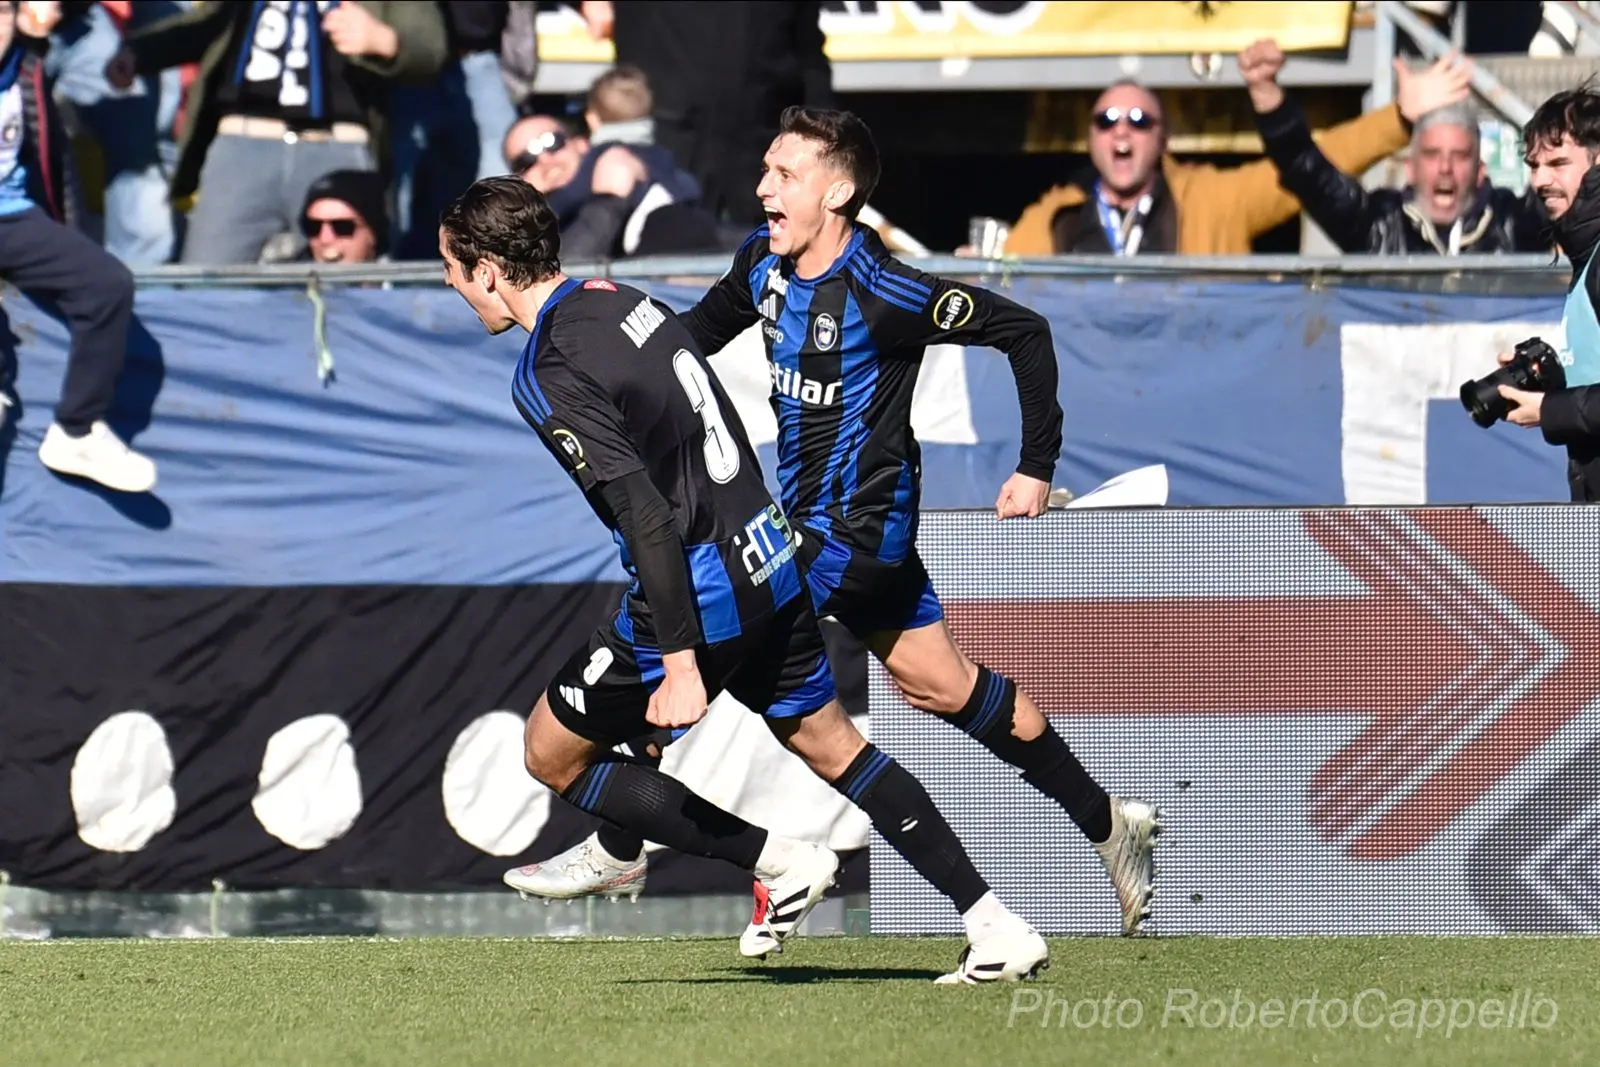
(768, 543)
(597, 665)
(806, 390)
(776, 283)
(642, 321)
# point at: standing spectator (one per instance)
(1138, 200)
(43, 255)
(133, 127)
(1447, 208)
(721, 73)
(287, 91)
(446, 135)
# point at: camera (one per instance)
(1534, 368)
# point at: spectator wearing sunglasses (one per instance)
(612, 199)
(1136, 199)
(344, 219)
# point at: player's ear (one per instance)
(487, 275)
(839, 194)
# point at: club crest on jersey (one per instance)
(824, 332)
(953, 310)
(569, 444)
(599, 283)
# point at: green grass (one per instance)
(836, 1001)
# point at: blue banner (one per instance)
(412, 467)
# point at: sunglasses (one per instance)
(341, 227)
(541, 145)
(1136, 116)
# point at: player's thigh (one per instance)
(551, 752)
(602, 692)
(903, 624)
(826, 740)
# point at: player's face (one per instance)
(477, 288)
(1445, 172)
(797, 190)
(1556, 171)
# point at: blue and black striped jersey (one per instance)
(844, 349)
(614, 385)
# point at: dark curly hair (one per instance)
(508, 222)
(1573, 113)
(845, 142)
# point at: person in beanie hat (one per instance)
(344, 218)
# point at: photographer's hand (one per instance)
(1527, 405)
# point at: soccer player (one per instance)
(615, 387)
(845, 326)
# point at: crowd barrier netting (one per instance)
(305, 659)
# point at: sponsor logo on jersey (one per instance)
(642, 321)
(766, 544)
(599, 283)
(776, 282)
(953, 310)
(569, 444)
(824, 332)
(806, 390)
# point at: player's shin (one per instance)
(902, 811)
(660, 808)
(623, 844)
(990, 718)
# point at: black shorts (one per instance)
(865, 594)
(778, 667)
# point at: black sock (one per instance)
(663, 809)
(1046, 762)
(904, 814)
(625, 844)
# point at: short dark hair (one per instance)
(846, 144)
(508, 222)
(1573, 113)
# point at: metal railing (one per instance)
(703, 268)
(1394, 15)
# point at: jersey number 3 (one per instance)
(722, 454)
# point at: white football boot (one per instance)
(1006, 951)
(811, 872)
(582, 870)
(757, 941)
(1128, 855)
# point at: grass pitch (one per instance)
(851, 1001)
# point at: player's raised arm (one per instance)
(925, 309)
(727, 309)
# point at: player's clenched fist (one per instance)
(1022, 497)
(680, 699)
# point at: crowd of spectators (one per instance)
(229, 133)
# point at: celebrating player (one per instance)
(845, 326)
(616, 389)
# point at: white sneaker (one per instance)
(1006, 952)
(1128, 855)
(811, 872)
(758, 941)
(582, 870)
(100, 456)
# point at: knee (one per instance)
(543, 763)
(112, 286)
(945, 693)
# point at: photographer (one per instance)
(1561, 142)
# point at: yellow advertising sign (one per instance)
(879, 31)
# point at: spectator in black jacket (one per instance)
(1448, 206)
(722, 73)
(1562, 142)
